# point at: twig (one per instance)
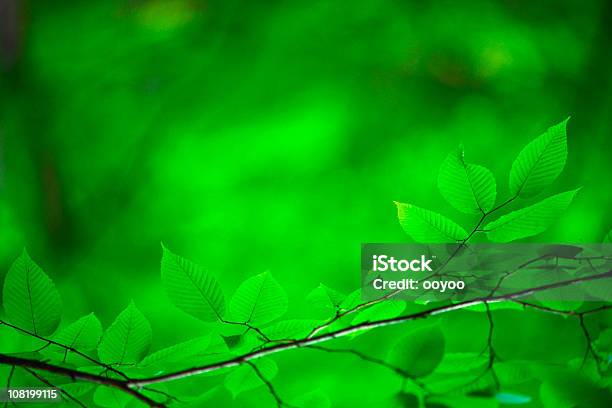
(122, 385)
(65, 347)
(48, 384)
(268, 384)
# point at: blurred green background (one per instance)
(275, 135)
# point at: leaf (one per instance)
(468, 187)
(530, 220)
(178, 352)
(540, 162)
(245, 378)
(127, 340)
(325, 299)
(419, 352)
(31, 300)
(190, 288)
(84, 334)
(608, 237)
(258, 300)
(428, 226)
(110, 397)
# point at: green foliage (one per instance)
(258, 300)
(30, 298)
(540, 162)
(419, 352)
(290, 329)
(190, 288)
(530, 220)
(325, 299)
(314, 399)
(608, 237)
(428, 226)
(110, 397)
(244, 378)
(468, 187)
(128, 338)
(83, 334)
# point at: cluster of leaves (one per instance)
(248, 323)
(471, 189)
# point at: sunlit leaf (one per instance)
(30, 298)
(313, 399)
(127, 340)
(82, 335)
(258, 300)
(190, 288)
(530, 220)
(428, 226)
(540, 162)
(468, 187)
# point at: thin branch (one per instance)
(589, 345)
(268, 384)
(65, 347)
(48, 384)
(8, 384)
(122, 385)
(491, 350)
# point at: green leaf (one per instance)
(530, 220)
(110, 397)
(244, 377)
(31, 300)
(540, 162)
(190, 288)
(608, 237)
(258, 300)
(428, 226)
(127, 340)
(82, 335)
(419, 352)
(178, 352)
(468, 187)
(325, 299)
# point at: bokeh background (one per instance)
(251, 136)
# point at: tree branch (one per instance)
(122, 385)
(65, 347)
(356, 328)
(48, 384)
